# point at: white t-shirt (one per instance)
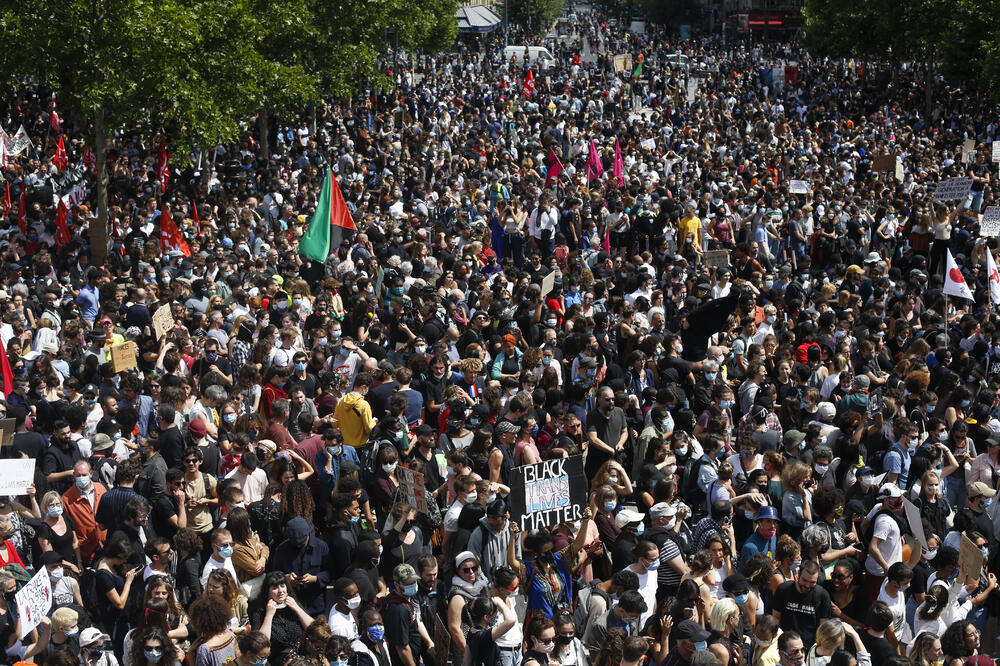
(891, 546)
(647, 588)
(513, 638)
(342, 625)
(897, 605)
(214, 564)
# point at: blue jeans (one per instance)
(510, 657)
(955, 490)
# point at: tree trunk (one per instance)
(99, 226)
(263, 150)
(929, 90)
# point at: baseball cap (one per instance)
(980, 489)
(507, 426)
(690, 630)
(404, 574)
(892, 490)
(628, 516)
(92, 635)
(662, 510)
(735, 583)
(297, 530)
(827, 410)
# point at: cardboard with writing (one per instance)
(163, 321)
(953, 189)
(990, 224)
(548, 493)
(123, 356)
(411, 488)
(970, 558)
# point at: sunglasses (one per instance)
(471, 569)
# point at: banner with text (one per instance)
(34, 601)
(548, 493)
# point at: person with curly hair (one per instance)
(211, 617)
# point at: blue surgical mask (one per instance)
(321, 341)
(260, 662)
(55, 511)
(355, 519)
(965, 403)
(300, 367)
(725, 404)
(710, 376)
(721, 453)
(640, 529)
(741, 599)
(73, 632)
(82, 482)
(226, 552)
(700, 645)
(410, 590)
(610, 505)
(153, 655)
(229, 418)
(930, 408)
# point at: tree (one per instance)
(190, 68)
(535, 14)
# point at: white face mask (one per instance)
(471, 497)
(354, 602)
(389, 468)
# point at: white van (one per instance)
(535, 54)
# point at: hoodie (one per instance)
(491, 547)
(354, 417)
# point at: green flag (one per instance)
(315, 243)
(638, 71)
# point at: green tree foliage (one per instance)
(541, 12)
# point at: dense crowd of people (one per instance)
(791, 446)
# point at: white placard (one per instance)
(16, 475)
(953, 189)
(913, 518)
(34, 601)
(799, 187)
(648, 144)
(996, 151)
(692, 90)
(990, 224)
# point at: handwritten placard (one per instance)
(799, 187)
(996, 151)
(548, 493)
(163, 321)
(953, 189)
(990, 224)
(717, 258)
(16, 474)
(411, 488)
(34, 601)
(123, 356)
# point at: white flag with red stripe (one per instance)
(954, 281)
(994, 277)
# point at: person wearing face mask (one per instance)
(893, 595)
(764, 538)
(304, 558)
(630, 524)
(65, 589)
(646, 566)
(886, 539)
(80, 503)
(254, 649)
(489, 540)
(95, 648)
(404, 628)
(60, 457)
(896, 462)
(342, 618)
(661, 426)
(353, 413)
(371, 639)
(691, 637)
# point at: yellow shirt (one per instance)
(691, 225)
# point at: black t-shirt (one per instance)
(802, 612)
(172, 446)
(400, 621)
(164, 508)
(29, 444)
(309, 385)
(879, 648)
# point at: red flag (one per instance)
(22, 212)
(162, 169)
(8, 374)
(62, 229)
(170, 235)
(529, 85)
(5, 204)
(197, 222)
(555, 167)
(60, 159)
(90, 160)
(54, 122)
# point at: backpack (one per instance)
(584, 595)
(90, 596)
(367, 457)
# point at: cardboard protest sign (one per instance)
(799, 187)
(123, 356)
(884, 163)
(548, 282)
(442, 641)
(548, 493)
(968, 151)
(623, 63)
(34, 601)
(717, 258)
(6, 432)
(913, 519)
(411, 488)
(970, 558)
(16, 475)
(163, 321)
(953, 189)
(900, 173)
(996, 151)
(993, 368)
(990, 224)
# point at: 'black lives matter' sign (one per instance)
(548, 493)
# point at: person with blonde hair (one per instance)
(723, 621)
(830, 637)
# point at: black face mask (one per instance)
(9, 596)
